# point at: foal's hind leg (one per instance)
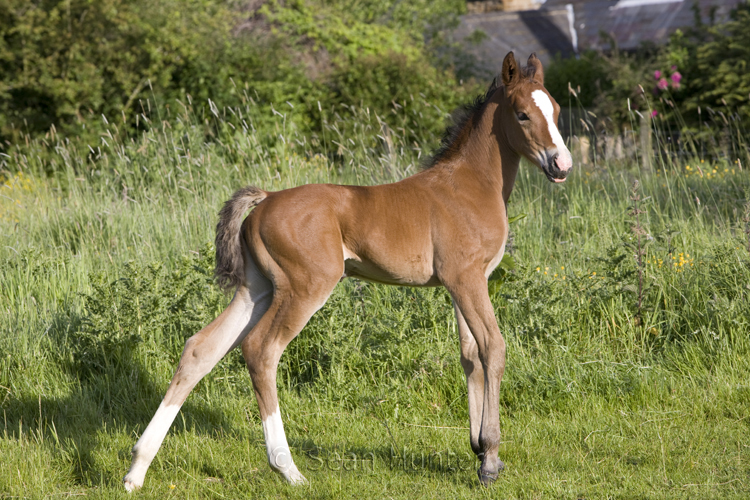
(262, 350)
(202, 351)
(474, 379)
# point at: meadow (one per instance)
(625, 309)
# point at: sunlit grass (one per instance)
(598, 400)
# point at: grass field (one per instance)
(105, 270)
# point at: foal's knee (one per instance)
(470, 355)
(470, 364)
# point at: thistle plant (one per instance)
(637, 231)
(746, 221)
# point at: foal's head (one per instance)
(530, 118)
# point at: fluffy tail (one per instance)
(230, 267)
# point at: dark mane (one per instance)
(450, 142)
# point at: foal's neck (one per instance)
(486, 155)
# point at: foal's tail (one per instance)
(230, 268)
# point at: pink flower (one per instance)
(676, 77)
(657, 74)
(673, 68)
(654, 113)
(663, 84)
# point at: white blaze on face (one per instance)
(541, 99)
(277, 449)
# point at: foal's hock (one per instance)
(444, 226)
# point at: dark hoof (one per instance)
(485, 478)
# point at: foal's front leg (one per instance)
(474, 379)
(472, 299)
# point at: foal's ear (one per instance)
(534, 66)
(511, 73)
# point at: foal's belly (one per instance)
(412, 270)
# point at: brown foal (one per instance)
(446, 225)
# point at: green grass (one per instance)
(105, 271)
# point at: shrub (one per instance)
(147, 307)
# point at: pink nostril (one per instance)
(564, 161)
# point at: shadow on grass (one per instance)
(121, 398)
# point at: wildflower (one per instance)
(676, 77)
(663, 84)
(654, 113)
(657, 74)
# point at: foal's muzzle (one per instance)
(556, 165)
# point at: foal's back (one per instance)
(399, 233)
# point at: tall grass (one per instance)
(106, 269)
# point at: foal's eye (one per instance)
(522, 117)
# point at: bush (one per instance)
(714, 64)
(64, 62)
(149, 307)
(704, 66)
(68, 63)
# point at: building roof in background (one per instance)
(545, 32)
(632, 22)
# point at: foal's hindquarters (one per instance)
(279, 291)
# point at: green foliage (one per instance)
(146, 307)
(90, 333)
(407, 94)
(598, 398)
(341, 36)
(411, 17)
(69, 63)
(714, 59)
(587, 75)
(704, 66)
